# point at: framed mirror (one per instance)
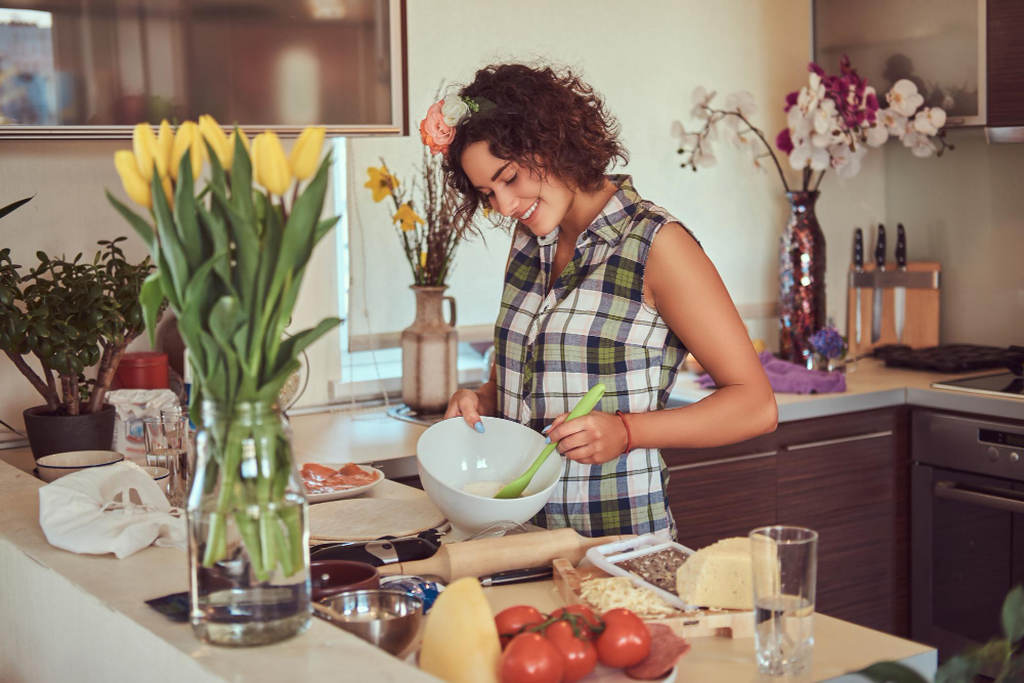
(94, 68)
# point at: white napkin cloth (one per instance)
(115, 509)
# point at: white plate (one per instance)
(348, 492)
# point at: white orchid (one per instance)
(742, 102)
(895, 123)
(700, 98)
(846, 161)
(929, 120)
(904, 97)
(686, 140)
(703, 157)
(806, 155)
(876, 135)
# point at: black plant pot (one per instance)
(50, 433)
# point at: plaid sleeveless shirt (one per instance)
(592, 326)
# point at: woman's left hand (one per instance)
(591, 439)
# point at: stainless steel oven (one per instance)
(967, 526)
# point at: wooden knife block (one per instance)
(921, 325)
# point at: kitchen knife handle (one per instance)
(901, 246)
(858, 249)
(880, 248)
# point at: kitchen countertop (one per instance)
(370, 435)
(75, 615)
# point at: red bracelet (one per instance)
(629, 435)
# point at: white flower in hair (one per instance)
(454, 109)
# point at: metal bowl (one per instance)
(389, 619)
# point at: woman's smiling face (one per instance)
(539, 203)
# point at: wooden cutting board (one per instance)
(693, 624)
(364, 519)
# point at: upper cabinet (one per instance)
(1005, 45)
(965, 56)
(94, 68)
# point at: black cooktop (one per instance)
(953, 357)
(1000, 384)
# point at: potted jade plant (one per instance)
(59, 319)
(230, 258)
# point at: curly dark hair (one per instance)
(544, 120)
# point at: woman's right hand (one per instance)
(470, 405)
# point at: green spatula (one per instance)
(515, 488)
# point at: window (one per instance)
(373, 279)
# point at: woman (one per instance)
(600, 286)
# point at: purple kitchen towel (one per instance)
(790, 378)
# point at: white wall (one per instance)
(646, 58)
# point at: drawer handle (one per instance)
(833, 442)
(709, 463)
(989, 497)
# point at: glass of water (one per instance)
(785, 561)
(167, 446)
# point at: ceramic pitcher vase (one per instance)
(801, 279)
(429, 352)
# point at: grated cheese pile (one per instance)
(619, 591)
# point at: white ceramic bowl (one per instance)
(56, 465)
(158, 473)
(451, 454)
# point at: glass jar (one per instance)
(248, 529)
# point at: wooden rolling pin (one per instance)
(489, 555)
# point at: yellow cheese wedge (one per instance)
(719, 575)
(460, 638)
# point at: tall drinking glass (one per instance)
(167, 446)
(785, 560)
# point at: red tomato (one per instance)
(530, 658)
(513, 619)
(625, 640)
(588, 617)
(578, 653)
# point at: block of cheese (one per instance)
(718, 576)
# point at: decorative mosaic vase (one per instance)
(801, 279)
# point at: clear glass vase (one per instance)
(248, 529)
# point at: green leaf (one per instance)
(144, 229)
(171, 251)
(151, 296)
(14, 205)
(1013, 615)
(226, 317)
(218, 232)
(891, 672)
(957, 670)
(324, 227)
(185, 213)
(292, 346)
(241, 182)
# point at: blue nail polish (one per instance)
(547, 439)
(479, 426)
(545, 430)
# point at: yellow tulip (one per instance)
(381, 183)
(144, 146)
(406, 218)
(270, 163)
(188, 138)
(218, 141)
(164, 148)
(134, 184)
(423, 259)
(305, 154)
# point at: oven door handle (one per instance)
(990, 497)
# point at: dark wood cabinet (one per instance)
(1005, 61)
(845, 476)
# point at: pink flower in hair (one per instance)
(435, 133)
